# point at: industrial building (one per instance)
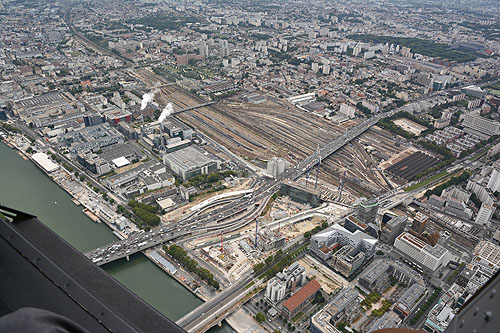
(145, 177)
(126, 150)
(300, 193)
(175, 128)
(114, 115)
(344, 307)
(412, 165)
(428, 256)
(128, 130)
(191, 161)
(409, 300)
(297, 301)
(277, 166)
(392, 229)
(93, 119)
(42, 110)
(91, 138)
(93, 162)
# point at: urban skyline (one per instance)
(297, 166)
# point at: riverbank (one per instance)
(176, 272)
(93, 206)
(32, 191)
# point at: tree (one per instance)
(260, 317)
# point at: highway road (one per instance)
(210, 310)
(236, 214)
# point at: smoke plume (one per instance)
(148, 98)
(167, 111)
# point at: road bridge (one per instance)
(207, 223)
(145, 240)
(194, 107)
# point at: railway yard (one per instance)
(276, 128)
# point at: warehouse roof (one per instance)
(44, 161)
(304, 293)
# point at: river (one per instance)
(25, 187)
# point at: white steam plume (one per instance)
(167, 111)
(148, 98)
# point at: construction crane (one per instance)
(222, 244)
(256, 231)
(319, 165)
(341, 181)
(256, 228)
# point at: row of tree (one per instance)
(453, 181)
(182, 256)
(323, 226)
(426, 306)
(209, 179)
(145, 213)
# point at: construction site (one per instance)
(276, 128)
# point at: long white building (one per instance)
(480, 126)
(494, 181)
(485, 213)
(426, 255)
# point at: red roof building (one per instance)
(295, 303)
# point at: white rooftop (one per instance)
(120, 161)
(44, 161)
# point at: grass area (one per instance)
(269, 204)
(298, 316)
(249, 285)
(479, 155)
(371, 298)
(426, 181)
(285, 262)
(495, 92)
(386, 305)
(422, 46)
